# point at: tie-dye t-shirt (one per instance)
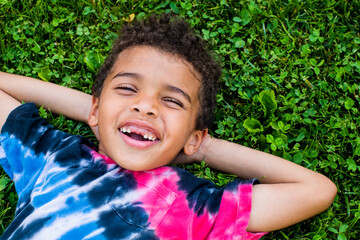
(68, 191)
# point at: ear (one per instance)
(194, 142)
(93, 115)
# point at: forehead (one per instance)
(156, 65)
(144, 53)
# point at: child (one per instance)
(152, 103)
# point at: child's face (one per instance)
(147, 109)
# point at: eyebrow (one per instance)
(168, 86)
(178, 90)
(127, 74)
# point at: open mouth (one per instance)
(137, 137)
(138, 134)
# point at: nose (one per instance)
(145, 106)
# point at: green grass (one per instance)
(290, 85)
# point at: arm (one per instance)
(60, 100)
(7, 104)
(290, 193)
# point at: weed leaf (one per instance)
(253, 125)
(245, 17)
(45, 74)
(267, 99)
(349, 103)
(3, 183)
(93, 60)
(351, 165)
(174, 7)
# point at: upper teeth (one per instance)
(146, 135)
(125, 130)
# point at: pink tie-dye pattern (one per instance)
(164, 181)
(233, 224)
(155, 198)
(180, 221)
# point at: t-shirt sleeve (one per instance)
(216, 213)
(26, 142)
(234, 211)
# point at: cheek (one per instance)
(181, 127)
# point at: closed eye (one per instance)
(126, 88)
(173, 101)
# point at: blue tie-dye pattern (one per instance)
(63, 194)
(24, 160)
(84, 233)
(43, 190)
(55, 196)
(3, 160)
(206, 198)
(67, 191)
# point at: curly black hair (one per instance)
(172, 35)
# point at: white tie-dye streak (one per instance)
(2, 153)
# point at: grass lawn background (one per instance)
(290, 84)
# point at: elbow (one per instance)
(332, 192)
(327, 192)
